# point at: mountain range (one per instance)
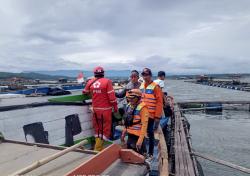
(74, 73)
(30, 75)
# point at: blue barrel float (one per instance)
(213, 108)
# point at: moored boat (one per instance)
(173, 151)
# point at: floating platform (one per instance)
(226, 85)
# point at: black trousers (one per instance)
(151, 136)
(131, 144)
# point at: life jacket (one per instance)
(148, 97)
(136, 125)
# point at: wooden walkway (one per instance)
(184, 164)
(162, 153)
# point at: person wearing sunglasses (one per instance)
(133, 84)
(135, 122)
(152, 97)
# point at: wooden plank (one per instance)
(176, 152)
(16, 156)
(70, 98)
(182, 159)
(183, 152)
(119, 168)
(100, 162)
(183, 147)
(186, 152)
(50, 146)
(177, 148)
(47, 159)
(183, 162)
(180, 164)
(130, 156)
(163, 154)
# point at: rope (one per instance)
(222, 162)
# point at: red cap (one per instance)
(98, 70)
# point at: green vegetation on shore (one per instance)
(30, 75)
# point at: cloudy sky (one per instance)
(188, 36)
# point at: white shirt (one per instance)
(160, 82)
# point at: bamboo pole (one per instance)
(222, 162)
(46, 160)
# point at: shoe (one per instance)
(98, 144)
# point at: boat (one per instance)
(173, 147)
(21, 158)
(54, 127)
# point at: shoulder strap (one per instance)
(136, 123)
(93, 82)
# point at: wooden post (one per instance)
(47, 159)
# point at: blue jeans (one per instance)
(151, 136)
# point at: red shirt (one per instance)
(103, 94)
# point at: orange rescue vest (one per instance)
(135, 129)
(148, 97)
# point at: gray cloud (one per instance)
(191, 36)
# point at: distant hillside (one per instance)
(74, 73)
(30, 75)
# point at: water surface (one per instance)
(225, 136)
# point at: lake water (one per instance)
(225, 136)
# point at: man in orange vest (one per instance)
(152, 97)
(136, 122)
(103, 101)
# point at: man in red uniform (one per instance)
(103, 101)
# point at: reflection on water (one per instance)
(225, 136)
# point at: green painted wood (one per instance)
(72, 98)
